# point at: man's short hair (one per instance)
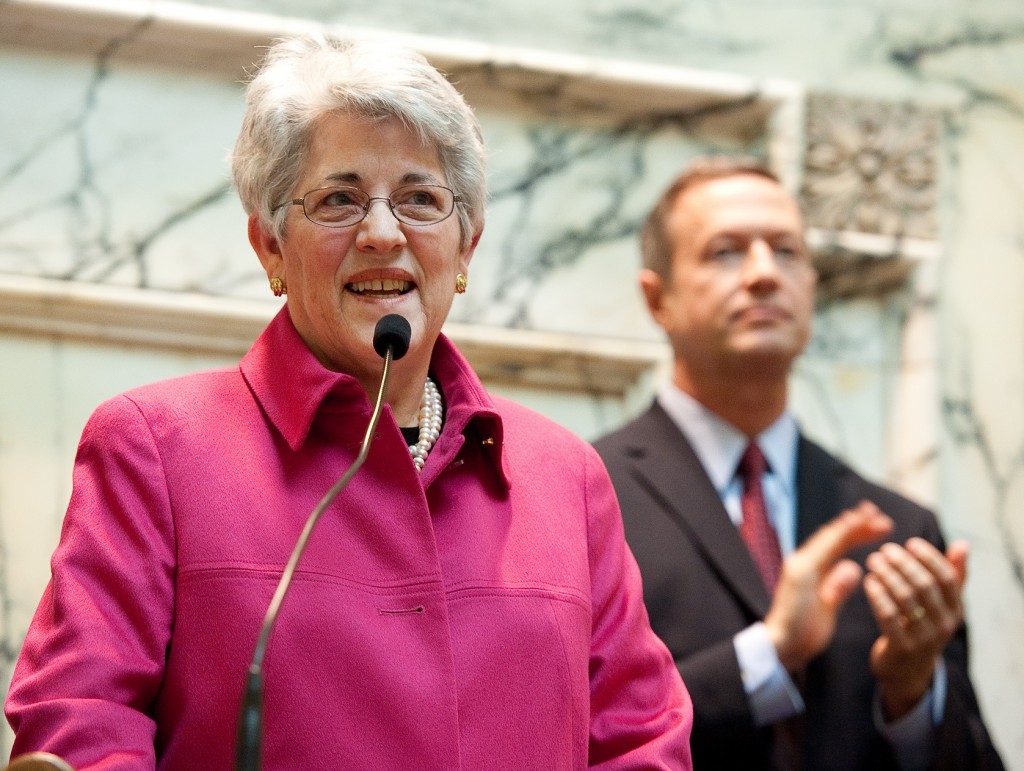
(655, 245)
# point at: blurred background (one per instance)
(900, 124)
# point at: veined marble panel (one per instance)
(981, 381)
(119, 176)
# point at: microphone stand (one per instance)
(250, 723)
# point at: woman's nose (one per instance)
(379, 231)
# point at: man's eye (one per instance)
(726, 253)
(788, 252)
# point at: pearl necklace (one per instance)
(430, 420)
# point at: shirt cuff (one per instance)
(912, 737)
(771, 692)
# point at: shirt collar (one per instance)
(291, 385)
(719, 445)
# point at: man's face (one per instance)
(741, 291)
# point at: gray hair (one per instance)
(655, 244)
(306, 77)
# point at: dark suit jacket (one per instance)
(701, 588)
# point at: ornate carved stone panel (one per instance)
(869, 191)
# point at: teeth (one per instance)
(389, 285)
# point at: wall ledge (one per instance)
(226, 326)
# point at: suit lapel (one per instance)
(663, 462)
(817, 485)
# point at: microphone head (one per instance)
(393, 332)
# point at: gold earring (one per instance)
(460, 283)
(277, 287)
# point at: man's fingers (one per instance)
(937, 578)
(957, 553)
(887, 613)
(862, 524)
(915, 591)
(909, 584)
(949, 568)
(839, 583)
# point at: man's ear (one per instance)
(652, 286)
(267, 247)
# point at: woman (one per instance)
(466, 602)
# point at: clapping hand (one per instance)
(915, 593)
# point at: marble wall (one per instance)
(123, 257)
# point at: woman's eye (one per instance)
(418, 198)
(340, 198)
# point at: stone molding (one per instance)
(217, 325)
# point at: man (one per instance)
(820, 647)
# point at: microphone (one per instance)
(393, 332)
(391, 339)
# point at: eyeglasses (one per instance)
(343, 207)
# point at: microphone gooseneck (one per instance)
(391, 339)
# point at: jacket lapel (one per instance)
(817, 485)
(663, 462)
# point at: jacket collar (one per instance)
(664, 462)
(291, 386)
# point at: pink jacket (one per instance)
(485, 613)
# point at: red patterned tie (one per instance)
(756, 528)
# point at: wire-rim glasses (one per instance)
(343, 207)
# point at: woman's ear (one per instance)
(267, 247)
(467, 253)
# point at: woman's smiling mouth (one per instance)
(381, 287)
